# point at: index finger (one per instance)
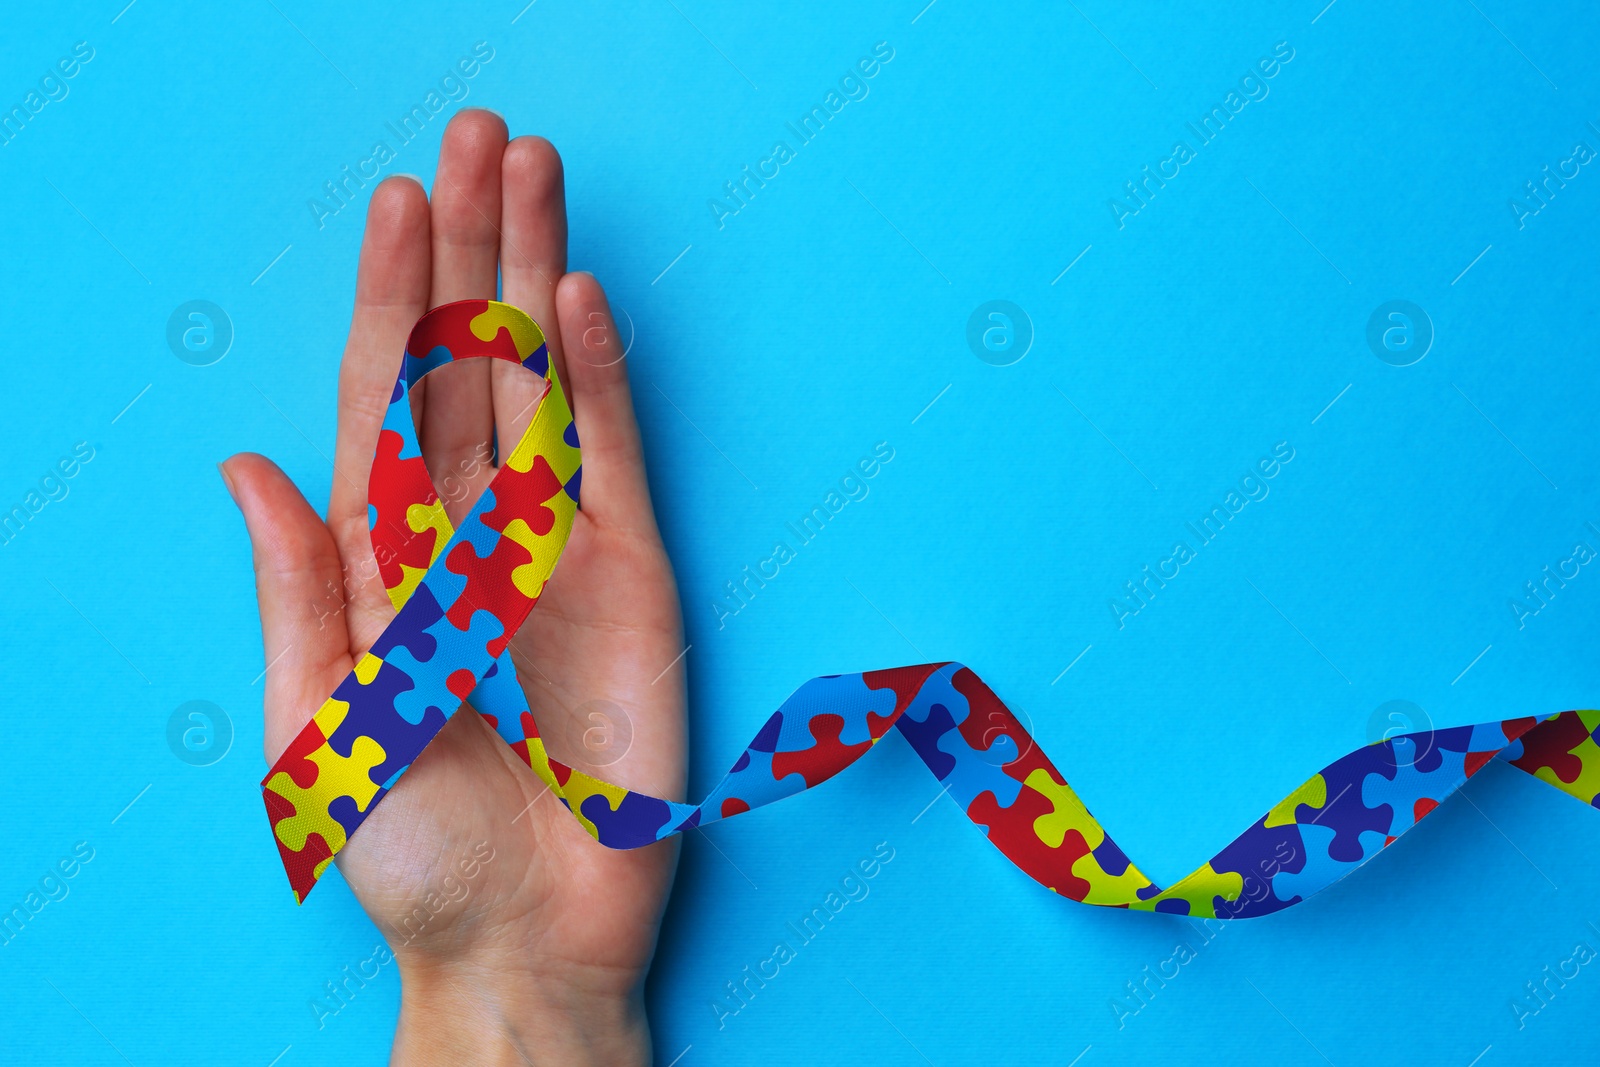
(392, 285)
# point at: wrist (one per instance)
(468, 1012)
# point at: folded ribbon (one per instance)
(460, 593)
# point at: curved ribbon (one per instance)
(460, 593)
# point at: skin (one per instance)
(542, 956)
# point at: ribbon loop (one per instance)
(459, 593)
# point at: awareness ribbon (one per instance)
(460, 593)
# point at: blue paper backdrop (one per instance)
(1188, 338)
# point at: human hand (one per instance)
(542, 956)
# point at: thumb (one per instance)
(299, 586)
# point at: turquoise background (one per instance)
(824, 317)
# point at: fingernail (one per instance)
(227, 480)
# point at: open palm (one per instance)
(489, 891)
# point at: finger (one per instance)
(300, 593)
(533, 256)
(614, 490)
(391, 294)
(458, 415)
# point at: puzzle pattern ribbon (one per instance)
(461, 593)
